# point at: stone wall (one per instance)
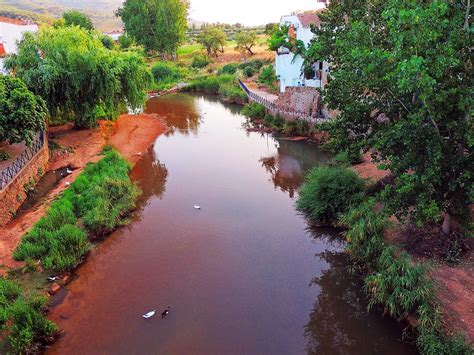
(13, 195)
(300, 99)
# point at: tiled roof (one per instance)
(309, 18)
(12, 21)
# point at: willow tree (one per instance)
(78, 77)
(158, 25)
(401, 80)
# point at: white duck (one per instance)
(149, 314)
(196, 207)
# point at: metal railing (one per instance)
(277, 110)
(10, 172)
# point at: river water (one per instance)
(243, 275)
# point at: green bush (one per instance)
(329, 192)
(165, 71)
(229, 69)
(267, 77)
(23, 318)
(101, 197)
(4, 156)
(200, 61)
(296, 128)
(254, 110)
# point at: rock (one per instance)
(66, 278)
(54, 289)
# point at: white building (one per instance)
(288, 66)
(11, 31)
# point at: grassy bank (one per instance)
(97, 203)
(225, 86)
(336, 195)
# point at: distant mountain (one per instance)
(100, 11)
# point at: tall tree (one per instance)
(158, 25)
(213, 39)
(77, 18)
(246, 41)
(402, 83)
(22, 113)
(77, 76)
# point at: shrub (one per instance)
(229, 69)
(329, 192)
(23, 318)
(254, 110)
(4, 156)
(232, 93)
(165, 71)
(211, 84)
(200, 61)
(267, 77)
(296, 127)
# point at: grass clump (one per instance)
(329, 192)
(100, 198)
(200, 61)
(22, 318)
(297, 128)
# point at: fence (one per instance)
(9, 173)
(277, 110)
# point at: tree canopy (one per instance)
(77, 18)
(213, 39)
(22, 113)
(401, 80)
(77, 76)
(158, 25)
(245, 42)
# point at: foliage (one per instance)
(245, 42)
(270, 28)
(126, 42)
(402, 84)
(279, 38)
(101, 197)
(164, 71)
(268, 77)
(158, 25)
(329, 192)
(224, 85)
(213, 39)
(254, 110)
(393, 281)
(22, 113)
(296, 128)
(77, 18)
(4, 156)
(347, 158)
(230, 69)
(200, 61)
(108, 42)
(23, 318)
(77, 76)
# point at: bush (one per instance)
(296, 128)
(4, 156)
(101, 197)
(267, 77)
(230, 69)
(329, 192)
(254, 110)
(200, 61)
(165, 71)
(276, 122)
(22, 318)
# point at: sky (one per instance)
(247, 12)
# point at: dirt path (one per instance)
(130, 134)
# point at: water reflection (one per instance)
(179, 110)
(151, 176)
(340, 323)
(292, 162)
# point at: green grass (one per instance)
(100, 199)
(188, 50)
(225, 86)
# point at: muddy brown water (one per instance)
(244, 275)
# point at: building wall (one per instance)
(13, 195)
(10, 34)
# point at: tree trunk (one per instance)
(446, 228)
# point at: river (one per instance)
(243, 275)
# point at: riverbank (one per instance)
(129, 134)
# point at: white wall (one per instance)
(10, 34)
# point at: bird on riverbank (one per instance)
(196, 207)
(149, 314)
(165, 313)
(68, 171)
(53, 278)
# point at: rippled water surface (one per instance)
(244, 275)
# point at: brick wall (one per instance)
(13, 195)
